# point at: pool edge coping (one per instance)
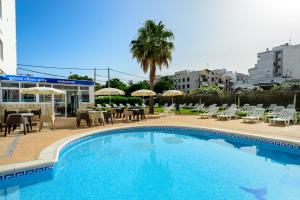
(50, 154)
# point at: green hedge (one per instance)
(119, 99)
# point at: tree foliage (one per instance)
(116, 83)
(78, 77)
(163, 84)
(136, 86)
(209, 90)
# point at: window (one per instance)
(1, 43)
(45, 98)
(84, 88)
(183, 86)
(178, 87)
(85, 96)
(10, 84)
(28, 85)
(10, 95)
(183, 80)
(28, 98)
(179, 80)
(187, 79)
(188, 86)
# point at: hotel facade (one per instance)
(8, 44)
(78, 94)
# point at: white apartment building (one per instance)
(8, 49)
(280, 64)
(187, 81)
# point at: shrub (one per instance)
(118, 100)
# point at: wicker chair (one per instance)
(15, 120)
(83, 116)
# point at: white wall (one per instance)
(8, 37)
(291, 61)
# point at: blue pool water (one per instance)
(157, 164)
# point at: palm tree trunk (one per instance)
(152, 78)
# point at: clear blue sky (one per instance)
(97, 33)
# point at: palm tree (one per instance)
(152, 48)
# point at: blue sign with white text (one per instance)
(32, 79)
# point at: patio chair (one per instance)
(250, 109)
(190, 105)
(271, 107)
(291, 106)
(224, 106)
(121, 105)
(83, 116)
(259, 105)
(195, 106)
(182, 105)
(115, 105)
(99, 106)
(255, 116)
(128, 105)
(166, 105)
(127, 114)
(285, 116)
(228, 114)
(97, 117)
(245, 106)
(169, 109)
(233, 105)
(198, 108)
(107, 106)
(274, 113)
(145, 106)
(156, 105)
(36, 119)
(15, 120)
(141, 113)
(108, 116)
(212, 111)
(137, 105)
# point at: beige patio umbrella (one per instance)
(42, 90)
(172, 93)
(109, 92)
(143, 93)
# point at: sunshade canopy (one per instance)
(172, 93)
(143, 93)
(41, 90)
(109, 92)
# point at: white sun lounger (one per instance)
(285, 116)
(212, 111)
(228, 114)
(255, 116)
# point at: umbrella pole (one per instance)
(110, 100)
(295, 99)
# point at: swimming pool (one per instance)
(165, 163)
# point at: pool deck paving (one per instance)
(21, 148)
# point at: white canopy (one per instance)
(172, 93)
(41, 90)
(143, 93)
(109, 92)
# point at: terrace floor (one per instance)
(21, 148)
